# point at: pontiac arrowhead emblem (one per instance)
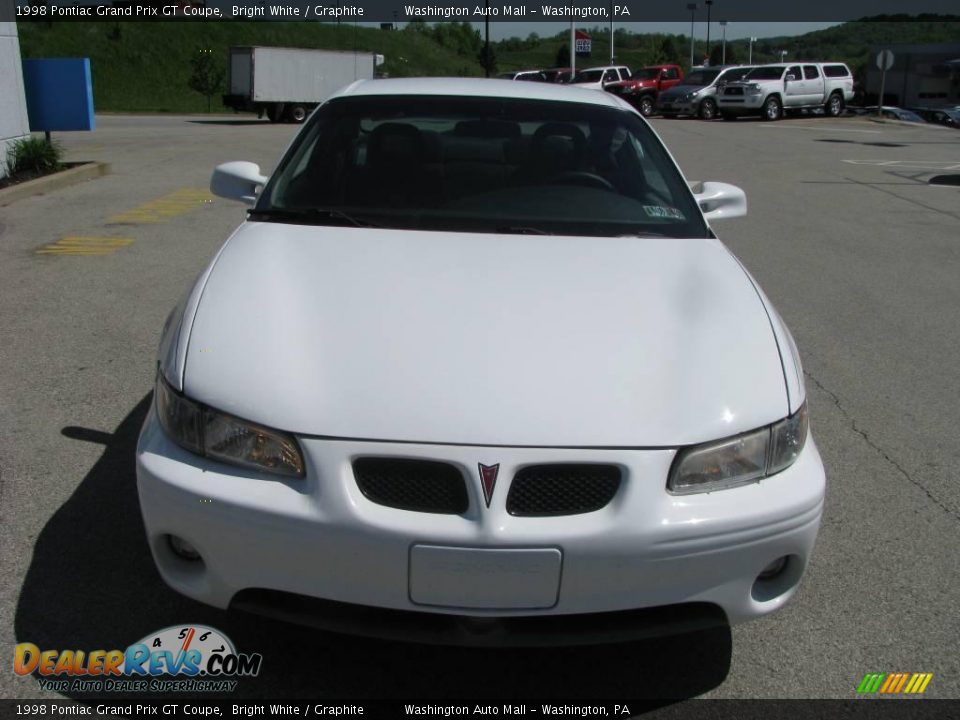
(488, 479)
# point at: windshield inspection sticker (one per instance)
(657, 211)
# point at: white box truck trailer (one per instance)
(287, 83)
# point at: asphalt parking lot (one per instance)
(859, 254)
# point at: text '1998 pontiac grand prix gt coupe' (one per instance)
(476, 370)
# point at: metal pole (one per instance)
(883, 82)
(723, 59)
(709, 3)
(486, 41)
(611, 32)
(750, 60)
(692, 7)
(573, 50)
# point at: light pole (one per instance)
(783, 54)
(573, 51)
(750, 59)
(692, 7)
(723, 59)
(486, 41)
(611, 32)
(709, 3)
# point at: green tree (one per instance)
(716, 54)
(563, 57)
(207, 75)
(488, 59)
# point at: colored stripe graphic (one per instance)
(894, 683)
(871, 682)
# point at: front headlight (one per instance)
(213, 434)
(740, 460)
(753, 90)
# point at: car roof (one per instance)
(478, 87)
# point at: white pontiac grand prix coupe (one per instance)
(476, 370)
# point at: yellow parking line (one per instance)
(84, 245)
(164, 208)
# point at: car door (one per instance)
(812, 85)
(793, 89)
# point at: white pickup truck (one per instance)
(772, 90)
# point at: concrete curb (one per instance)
(49, 183)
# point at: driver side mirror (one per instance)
(237, 181)
(790, 77)
(719, 201)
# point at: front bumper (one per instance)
(319, 537)
(741, 104)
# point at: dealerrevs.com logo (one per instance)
(181, 658)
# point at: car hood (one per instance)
(485, 339)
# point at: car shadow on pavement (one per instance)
(91, 584)
(237, 122)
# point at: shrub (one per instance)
(34, 155)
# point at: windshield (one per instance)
(475, 164)
(767, 72)
(701, 77)
(646, 74)
(586, 76)
(735, 74)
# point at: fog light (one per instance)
(182, 549)
(773, 569)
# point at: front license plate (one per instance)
(484, 579)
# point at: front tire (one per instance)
(834, 106)
(708, 109)
(772, 109)
(646, 105)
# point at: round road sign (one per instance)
(884, 59)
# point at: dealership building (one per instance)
(13, 109)
(921, 76)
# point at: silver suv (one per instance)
(772, 90)
(697, 94)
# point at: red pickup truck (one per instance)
(645, 84)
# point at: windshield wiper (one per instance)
(312, 216)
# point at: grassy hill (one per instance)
(145, 66)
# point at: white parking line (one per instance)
(818, 128)
(910, 164)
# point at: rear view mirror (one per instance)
(719, 201)
(237, 181)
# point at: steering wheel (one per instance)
(580, 177)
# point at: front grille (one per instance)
(544, 490)
(733, 91)
(419, 485)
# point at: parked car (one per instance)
(890, 112)
(528, 75)
(644, 85)
(597, 78)
(772, 90)
(558, 75)
(474, 337)
(939, 116)
(697, 94)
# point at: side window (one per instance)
(670, 74)
(795, 71)
(624, 74)
(610, 76)
(810, 72)
(836, 71)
